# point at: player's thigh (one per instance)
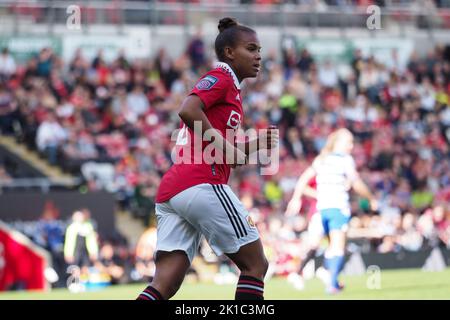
(337, 240)
(171, 266)
(338, 225)
(334, 219)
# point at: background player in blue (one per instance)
(335, 172)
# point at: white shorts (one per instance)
(205, 209)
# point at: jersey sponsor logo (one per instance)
(234, 120)
(207, 83)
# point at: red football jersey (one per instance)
(311, 203)
(219, 90)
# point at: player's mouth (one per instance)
(256, 67)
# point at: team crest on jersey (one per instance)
(234, 120)
(250, 221)
(207, 83)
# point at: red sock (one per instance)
(150, 293)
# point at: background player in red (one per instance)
(194, 199)
(315, 230)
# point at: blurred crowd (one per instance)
(111, 122)
(382, 3)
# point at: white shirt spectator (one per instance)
(360, 112)
(445, 116)
(137, 102)
(7, 64)
(427, 96)
(50, 134)
(370, 76)
(328, 76)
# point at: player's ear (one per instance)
(229, 53)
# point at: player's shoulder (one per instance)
(213, 78)
(348, 157)
(220, 74)
(340, 156)
(350, 160)
(347, 160)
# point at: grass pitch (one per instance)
(394, 284)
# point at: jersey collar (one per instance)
(228, 69)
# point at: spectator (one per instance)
(81, 242)
(328, 76)
(50, 137)
(196, 51)
(305, 61)
(110, 264)
(8, 107)
(410, 238)
(45, 62)
(145, 248)
(137, 104)
(7, 65)
(5, 177)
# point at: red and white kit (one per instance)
(193, 198)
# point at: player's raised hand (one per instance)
(293, 207)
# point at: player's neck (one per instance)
(229, 68)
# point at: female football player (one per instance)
(335, 172)
(194, 198)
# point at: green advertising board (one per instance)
(340, 51)
(334, 50)
(24, 47)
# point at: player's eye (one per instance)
(253, 48)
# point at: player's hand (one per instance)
(269, 138)
(374, 205)
(293, 207)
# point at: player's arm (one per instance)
(361, 188)
(302, 184)
(192, 111)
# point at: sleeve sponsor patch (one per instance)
(206, 83)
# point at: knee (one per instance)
(265, 266)
(256, 269)
(262, 267)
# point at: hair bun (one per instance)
(226, 23)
